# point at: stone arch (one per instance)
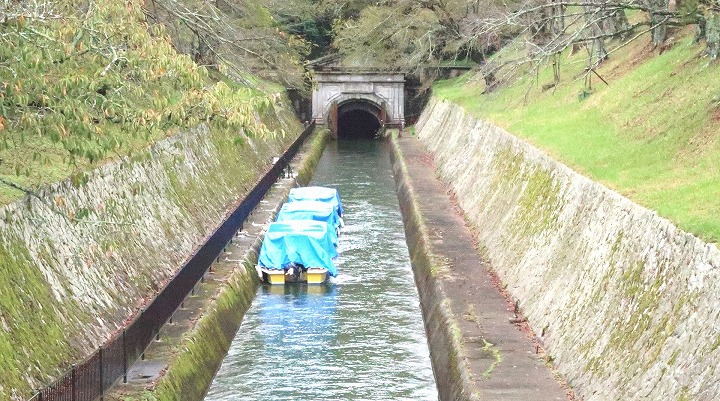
(369, 102)
(359, 119)
(366, 112)
(375, 95)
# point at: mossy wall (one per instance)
(79, 258)
(190, 374)
(625, 303)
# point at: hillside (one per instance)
(649, 131)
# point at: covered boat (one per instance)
(320, 194)
(297, 250)
(311, 210)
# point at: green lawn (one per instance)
(652, 134)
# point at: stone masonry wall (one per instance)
(81, 257)
(625, 302)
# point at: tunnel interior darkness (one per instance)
(357, 122)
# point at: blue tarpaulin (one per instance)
(311, 210)
(321, 194)
(302, 242)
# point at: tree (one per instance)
(706, 13)
(83, 82)
(305, 19)
(411, 35)
(239, 35)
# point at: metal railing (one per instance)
(89, 379)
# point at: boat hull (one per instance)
(279, 277)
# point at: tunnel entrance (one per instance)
(339, 92)
(359, 120)
(357, 124)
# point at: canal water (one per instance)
(359, 338)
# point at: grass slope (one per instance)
(651, 134)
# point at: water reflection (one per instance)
(296, 322)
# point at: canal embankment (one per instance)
(83, 256)
(181, 363)
(624, 302)
(478, 351)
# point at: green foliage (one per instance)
(238, 36)
(412, 35)
(306, 19)
(390, 36)
(82, 83)
(344, 9)
(652, 134)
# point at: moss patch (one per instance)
(317, 145)
(28, 322)
(192, 371)
(539, 202)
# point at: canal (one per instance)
(359, 338)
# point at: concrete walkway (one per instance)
(497, 358)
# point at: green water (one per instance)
(359, 338)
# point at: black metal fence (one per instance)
(90, 379)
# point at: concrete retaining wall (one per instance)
(451, 375)
(625, 302)
(82, 256)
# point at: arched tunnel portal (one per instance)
(359, 119)
(355, 104)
